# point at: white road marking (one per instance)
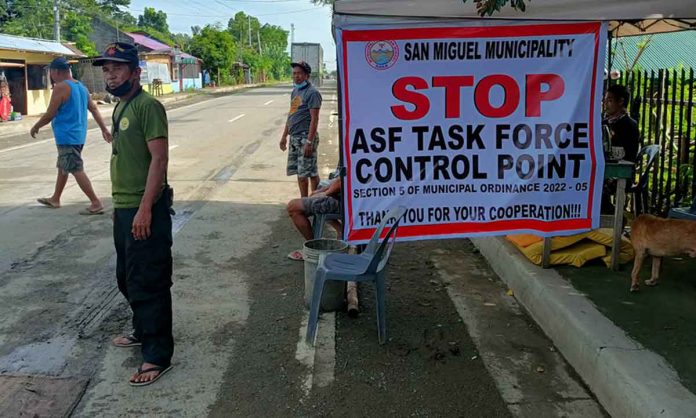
(237, 117)
(319, 360)
(268, 102)
(171, 147)
(325, 357)
(305, 355)
(31, 144)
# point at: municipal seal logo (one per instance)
(125, 123)
(382, 55)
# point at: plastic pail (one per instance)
(333, 296)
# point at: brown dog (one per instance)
(660, 237)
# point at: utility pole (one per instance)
(249, 21)
(56, 21)
(292, 33)
(258, 36)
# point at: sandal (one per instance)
(160, 369)
(47, 202)
(89, 211)
(132, 341)
(296, 256)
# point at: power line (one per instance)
(224, 5)
(265, 1)
(49, 7)
(218, 16)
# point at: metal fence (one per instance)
(663, 104)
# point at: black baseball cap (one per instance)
(305, 67)
(59, 63)
(118, 52)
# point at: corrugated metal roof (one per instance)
(155, 45)
(19, 43)
(667, 50)
(149, 43)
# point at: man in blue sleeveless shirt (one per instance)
(67, 112)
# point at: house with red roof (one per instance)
(183, 71)
(162, 64)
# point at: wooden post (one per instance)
(618, 222)
(352, 292)
(546, 257)
(352, 298)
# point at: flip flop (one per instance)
(296, 256)
(89, 211)
(132, 342)
(46, 202)
(160, 369)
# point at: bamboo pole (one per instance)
(352, 298)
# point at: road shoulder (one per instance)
(628, 379)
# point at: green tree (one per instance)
(155, 19)
(182, 40)
(272, 35)
(265, 51)
(241, 26)
(76, 28)
(124, 18)
(488, 7)
(280, 62)
(33, 18)
(483, 7)
(217, 49)
(113, 7)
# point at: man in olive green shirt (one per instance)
(142, 219)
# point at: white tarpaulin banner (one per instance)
(477, 130)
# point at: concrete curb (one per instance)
(628, 379)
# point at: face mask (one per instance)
(302, 84)
(121, 90)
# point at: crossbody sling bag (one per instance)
(168, 191)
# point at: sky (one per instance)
(312, 23)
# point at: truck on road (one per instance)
(312, 54)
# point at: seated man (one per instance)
(623, 133)
(325, 200)
(623, 129)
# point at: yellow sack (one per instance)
(605, 236)
(574, 250)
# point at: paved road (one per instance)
(459, 344)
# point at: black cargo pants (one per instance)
(144, 276)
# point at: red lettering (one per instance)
(535, 96)
(419, 101)
(453, 98)
(483, 93)
(416, 105)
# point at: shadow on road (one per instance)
(429, 367)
